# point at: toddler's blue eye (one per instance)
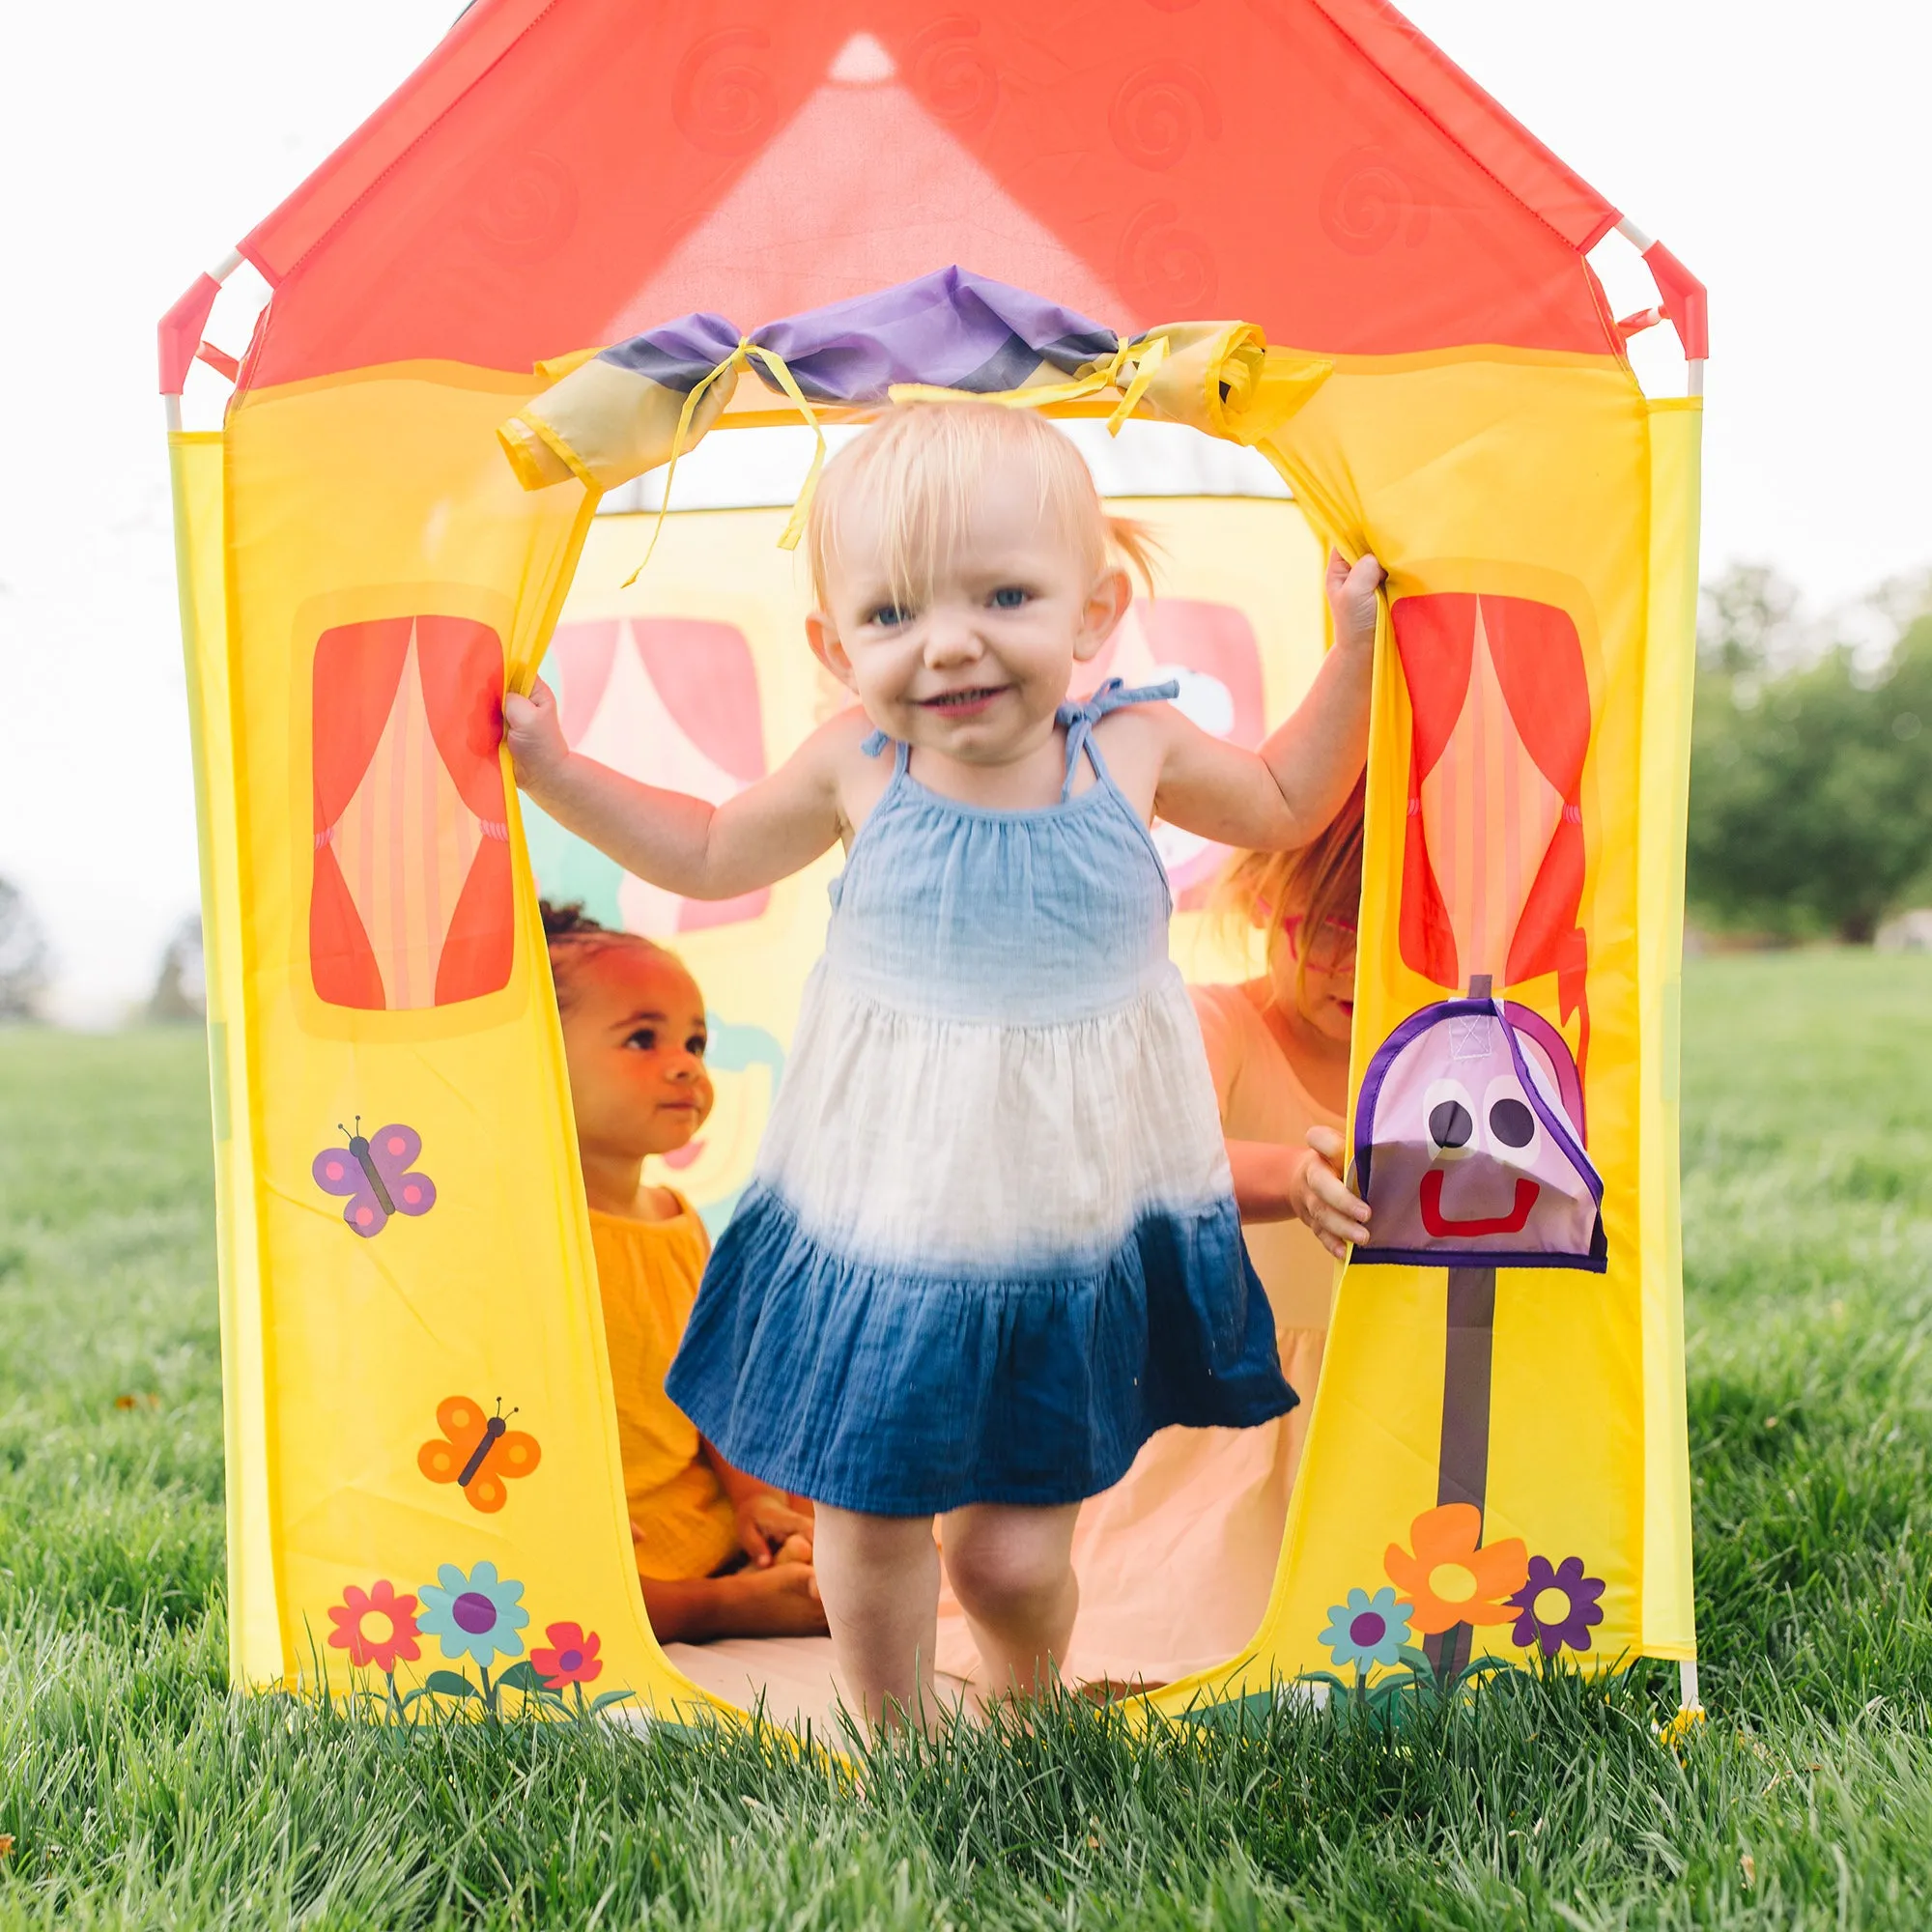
(1009, 597)
(888, 615)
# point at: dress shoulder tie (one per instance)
(1079, 720)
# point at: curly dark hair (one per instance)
(571, 933)
(568, 920)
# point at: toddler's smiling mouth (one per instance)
(963, 703)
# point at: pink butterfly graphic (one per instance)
(373, 1171)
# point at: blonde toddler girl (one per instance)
(991, 1243)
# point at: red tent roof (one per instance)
(560, 173)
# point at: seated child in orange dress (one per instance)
(719, 1553)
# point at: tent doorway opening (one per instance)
(696, 675)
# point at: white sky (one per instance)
(1778, 150)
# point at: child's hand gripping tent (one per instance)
(365, 573)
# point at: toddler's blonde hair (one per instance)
(1317, 882)
(924, 465)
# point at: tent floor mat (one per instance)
(792, 1674)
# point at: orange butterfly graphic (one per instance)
(479, 1454)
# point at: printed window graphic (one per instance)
(411, 903)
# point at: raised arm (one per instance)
(684, 844)
(1285, 793)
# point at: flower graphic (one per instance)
(571, 1657)
(1558, 1605)
(393, 1637)
(1367, 1630)
(474, 1616)
(1449, 1579)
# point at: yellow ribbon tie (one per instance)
(1040, 396)
(794, 524)
(1144, 357)
(1153, 354)
(740, 358)
(735, 360)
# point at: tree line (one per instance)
(1810, 764)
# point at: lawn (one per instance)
(136, 1792)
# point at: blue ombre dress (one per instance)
(990, 1242)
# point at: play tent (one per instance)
(1425, 363)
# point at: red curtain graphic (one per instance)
(430, 894)
(358, 668)
(463, 692)
(1493, 842)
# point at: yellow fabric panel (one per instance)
(196, 465)
(647, 1274)
(1676, 429)
(381, 497)
(1528, 480)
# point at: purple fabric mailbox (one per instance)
(1469, 1145)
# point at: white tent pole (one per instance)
(219, 273)
(1693, 379)
(1686, 1684)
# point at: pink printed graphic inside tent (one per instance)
(671, 702)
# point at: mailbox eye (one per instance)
(1511, 1130)
(1449, 1115)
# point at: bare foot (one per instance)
(1112, 1690)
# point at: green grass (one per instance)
(137, 1793)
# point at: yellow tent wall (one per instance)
(1588, 1456)
(339, 1350)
